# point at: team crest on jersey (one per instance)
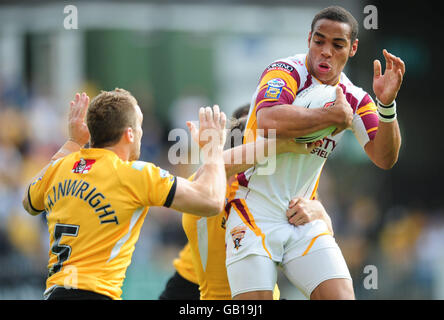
(237, 234)
(83, 165)
(273, 92)
(274, 88)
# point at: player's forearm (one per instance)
(243, 157)
(383, 150)
(291, 121)
(211, 184)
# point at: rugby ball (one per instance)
(317, 96)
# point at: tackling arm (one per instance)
(236, 159)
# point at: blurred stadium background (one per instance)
(176, 56)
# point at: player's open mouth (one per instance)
(324, 67)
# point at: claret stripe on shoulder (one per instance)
(83, 191)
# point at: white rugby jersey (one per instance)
(297, 175)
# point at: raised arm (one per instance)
(205, 195)
(383, 150)
(78, 136)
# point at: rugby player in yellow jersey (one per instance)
(201, 263)
(96, 199)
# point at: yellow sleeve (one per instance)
(149, 184)
(38, 188)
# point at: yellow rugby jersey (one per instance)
(96, 204)
(184, 264)
(206, 236)
(206, 243)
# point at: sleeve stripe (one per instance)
(30, 203)
(372, 129)
(367, 113)
(289, 91)
(264, 100)
(367, 107)
(171, 194)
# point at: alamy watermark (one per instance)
(71, 21)
(371, 280)
(186, 151)
(371, 19)
(71, 279)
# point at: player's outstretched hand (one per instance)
(211, 127)
(77, 129)
(387, 85)
(343, 111)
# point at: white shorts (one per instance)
(305, 272)
(257, 231)
(250, 229)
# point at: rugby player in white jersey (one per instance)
(308, 254)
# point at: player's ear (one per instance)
(353, 48)
(128, 134)
(309, 39)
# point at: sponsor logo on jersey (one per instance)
(276, 82)
(280, 66)
(237, 234)
(83, 165)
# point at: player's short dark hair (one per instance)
(337, 13)
(109, 114)
(238, 123)
(240, 112)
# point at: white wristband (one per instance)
(386, 113)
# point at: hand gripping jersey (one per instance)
(96, 205)
(297, 175)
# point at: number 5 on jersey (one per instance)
(62, 251)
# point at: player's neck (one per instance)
(122, 152)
